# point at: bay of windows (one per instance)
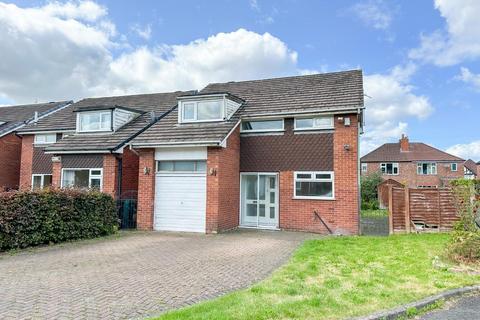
(390, 168)
(426, 168)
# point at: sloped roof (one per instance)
(289, 95)
(18, 115)
(471, 165)
(159, 103)
(417, 152)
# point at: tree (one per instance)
(368, 188)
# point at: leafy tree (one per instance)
(368, 187)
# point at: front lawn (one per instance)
(339, 278)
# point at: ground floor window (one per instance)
(314, 185)
(40, 181)
(82, 178)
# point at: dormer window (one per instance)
(206, 108)
(94, 121)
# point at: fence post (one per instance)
(390, 209)
(439, 211)
(407, 209)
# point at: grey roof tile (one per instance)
(19, 115)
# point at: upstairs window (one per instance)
(314, 123)
(426, 168)
(94, 121)
(453, 167)
(390, 168)
(262, 126)
(209, 110)
(364, 167)
(45, 138)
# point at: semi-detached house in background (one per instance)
(12, 118)
(416, 164)
(276, 153)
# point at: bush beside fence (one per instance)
(52, 216)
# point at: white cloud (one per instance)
(374, 13)
(469, 77)
(142, 32)
(466, 151)
(459, 41)
(53, 52)
(390, 103)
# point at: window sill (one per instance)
(313, 198)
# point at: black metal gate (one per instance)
(127, 213)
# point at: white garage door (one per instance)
(180, 202)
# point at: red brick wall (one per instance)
(408, 174)
(10, 153)
(129, 174)
(146, 189)
(110, 175)
(26, 162)
(56, 174)
(223, 188)
(341, 214)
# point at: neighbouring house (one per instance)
(470, 169)
(276, 153)
(12, 118)
(85, 144)
(416, 164)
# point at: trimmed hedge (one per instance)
(51, 216)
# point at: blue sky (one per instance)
(421, 59)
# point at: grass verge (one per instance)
(374, 213)
(338, 278)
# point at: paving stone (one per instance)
(138, 275)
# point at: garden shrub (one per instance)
(51, 216)
(465, 242)
(368, 189)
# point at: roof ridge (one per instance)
(136, 95)
(290, 77)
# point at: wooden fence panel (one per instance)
(434, 208)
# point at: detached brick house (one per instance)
(416, 164)
(13, 118)
(276, 153)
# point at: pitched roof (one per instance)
(417, 152)
(289, 95)
(471, 165)
(18, 115)
(159, 103)
(309, 93)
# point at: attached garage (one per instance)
(180, 190)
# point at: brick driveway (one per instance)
(137, 275)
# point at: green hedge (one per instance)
(52, 216)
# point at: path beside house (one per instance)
(138, 275)
(466, 308)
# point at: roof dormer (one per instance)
(103, 119)
(207, 107)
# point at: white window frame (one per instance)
(89, 175)
(41, 138)
(313, 179)
(42, 179)
(195, 161)
(456, 167)
(329, 127)
(364, 167)
(394, 165)
(432, 173)
(100, 112)
(263, 130)
(195, 110)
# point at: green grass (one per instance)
(338, 278)
(374, 213)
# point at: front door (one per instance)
(259, 200)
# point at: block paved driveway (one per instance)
(137, 275)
